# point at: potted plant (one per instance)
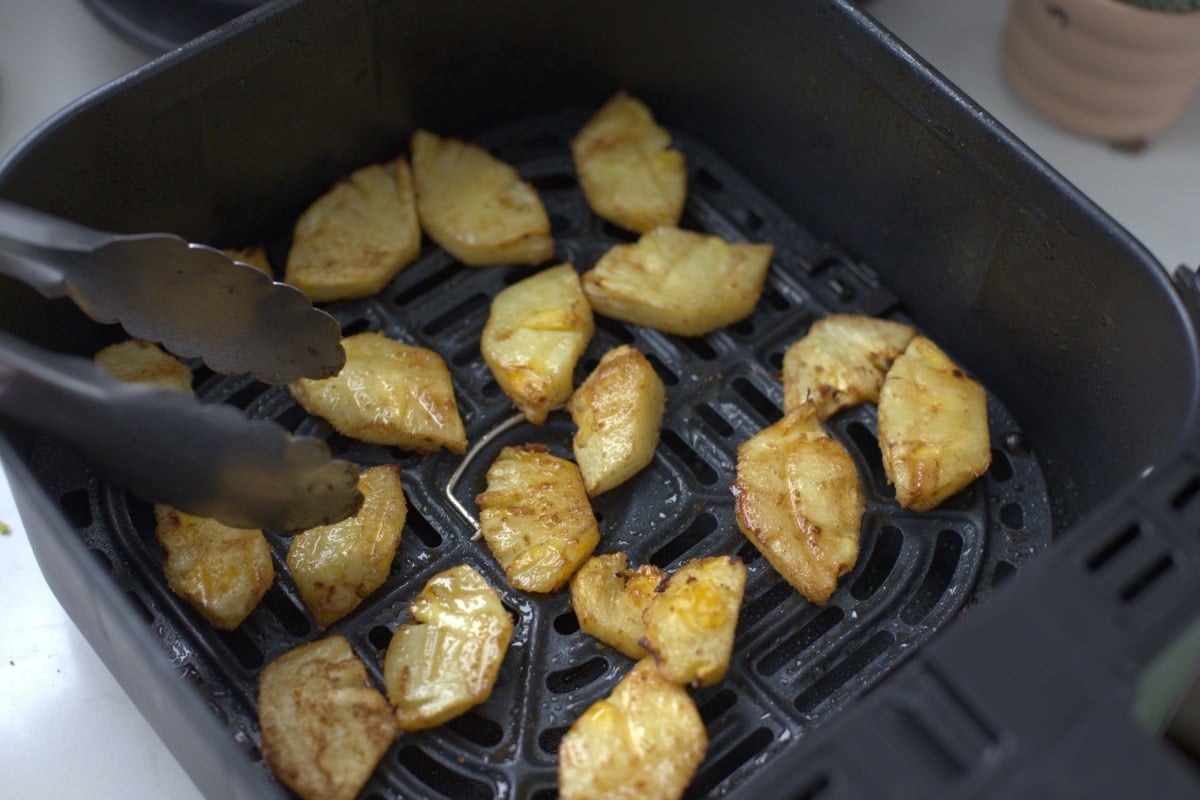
(1117, 70)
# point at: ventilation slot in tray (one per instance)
(717, 770)
(942, 568)
(77, 505)
(441, 778)
(844, 671)
(577, 677)
(696, 533)
(477, 729)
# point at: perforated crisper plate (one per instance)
(794, 664)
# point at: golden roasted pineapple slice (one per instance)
(135, 361)
(629, 173)
(255, 256)
(537, 330)
(799, 501)
(679, 282)
(618, 410)
(476, 206)
(642, 742)
(357, 236)
(222, 572)
(610, 600)
(324, 726)
(388, 393)
(337, 566)
(536, 518)
(841, 362)
(691, 622)
(933, 427)
(446, 659)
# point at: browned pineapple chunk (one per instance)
(798, 500)
(618, 410)
(537, 330)
(324, 726)
(679, 282)
(476, 206)
(642, 742)
(629, 173)
(388, 393)
(841, 362)
(337, 566)
(221, 572)
(536, 518)
(609, 600)
(357, 236)
(690, 624)
(933, 427)
(446, 659)
(135, 361)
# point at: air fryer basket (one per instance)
(804, 126)
(796, 663)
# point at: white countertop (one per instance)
(66, 728)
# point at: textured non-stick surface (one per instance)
(794, 664)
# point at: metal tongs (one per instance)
(168, 447)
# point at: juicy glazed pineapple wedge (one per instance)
(679, 282)
(337, 566)
(798, 500)
(324, 726)
(629, 173)
(476, 206)
(841, 362)
(645, 740)
(357, 236)
(686, 620)
(933, 427)
(446, 659)
(220, 571)
(536, 518)
(691, 623)
(618, 411)
(388, 393)
(536, 332)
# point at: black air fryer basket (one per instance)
(1025, 639)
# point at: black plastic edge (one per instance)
(1036, 690)
(107, 620)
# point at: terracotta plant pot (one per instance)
(1102, 68)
